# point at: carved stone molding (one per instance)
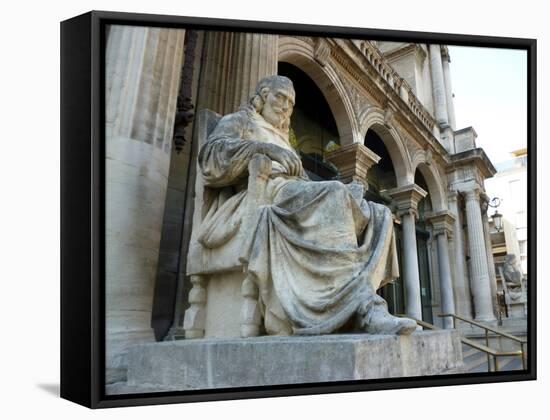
(358, 100)
(321, 51)
(377, 95)
(353, 161)
(442, 222)
(406, 198)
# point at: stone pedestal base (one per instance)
(221, 363)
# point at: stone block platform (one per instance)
(223, 363)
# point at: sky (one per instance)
(490, 94)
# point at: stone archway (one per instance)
(374, 120)
(301, 54)
(433, 181)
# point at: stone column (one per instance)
(442, 223)
(480, 281)
(461, 285)
(406, 200)
(233, 64)
(446, 59)
(143, 68)
(438, 82)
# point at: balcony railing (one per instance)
(397, 83)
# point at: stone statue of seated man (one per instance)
(318, 251)
(512, 273)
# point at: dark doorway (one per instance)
(381, 177)
(422, 238)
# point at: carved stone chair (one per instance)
(223, 300)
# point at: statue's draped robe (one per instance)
(318, 250)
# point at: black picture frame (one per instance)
(83, 204)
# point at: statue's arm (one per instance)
(225, 156)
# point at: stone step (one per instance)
(510, 363)
(476, 361)
(467, 351)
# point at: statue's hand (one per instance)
(290, 160)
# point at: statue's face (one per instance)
(278, 105)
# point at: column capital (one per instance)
(472, 194)
(442, 222)
(406, 198)
(353, 161)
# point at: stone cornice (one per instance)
(476, 158)
(407, 49)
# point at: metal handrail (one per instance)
(477, 324)
(521, 341)
(486, 349)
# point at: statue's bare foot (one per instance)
(378, 320)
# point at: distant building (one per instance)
(509, 184)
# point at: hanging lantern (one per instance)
(497, 221)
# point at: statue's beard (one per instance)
(277, 119)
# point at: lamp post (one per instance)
(497, 217)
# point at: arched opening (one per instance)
(432, 184)
(373, 123)
(300, 53)
(313, 130)
(381, 176)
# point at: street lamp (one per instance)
(497, 217)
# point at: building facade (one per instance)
(378, 113)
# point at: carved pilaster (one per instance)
(448, 86)
(233, 64)
(440, 97)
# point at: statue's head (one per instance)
(274, 100)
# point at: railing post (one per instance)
(487, 344)
(523, 357)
